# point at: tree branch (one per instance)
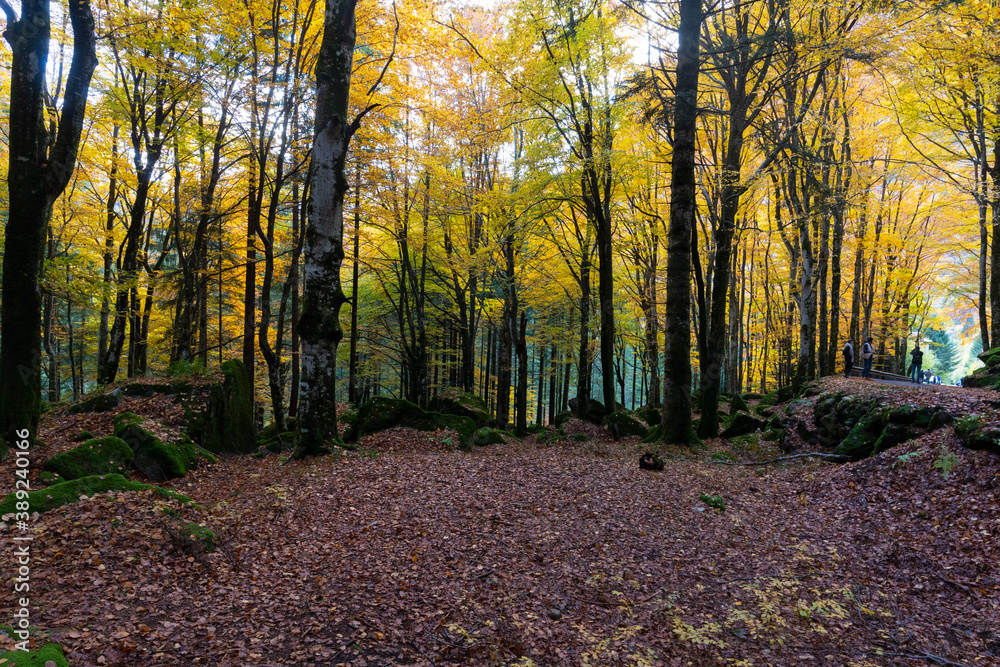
(832, 457)
(392, 54)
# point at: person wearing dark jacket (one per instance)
(918, 359)
(848, 359)
(867, 356)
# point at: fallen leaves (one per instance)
(530, 554)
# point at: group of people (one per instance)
(868, 356)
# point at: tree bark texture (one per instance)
(40, 167)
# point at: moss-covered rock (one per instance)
(281, 442)
(861, 439)
(456, 402)
(738, 404)
(595, 410)
(649, 415)
(779, 395)
(982, 377)
(155, 458)
(49, 478)
(99, 403)
(201, 537)
(988, 354)
(100, 456)
(50, 655)
(580, 437)
(82, 436)
(228, 419)
(65, 493)
(272, 430)
(382, 412)
(561, 418)
(488, 436)
(975, 432)
(623, 425)
(740, 423)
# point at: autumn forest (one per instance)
(505, 223)
(332, 333)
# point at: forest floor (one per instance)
(408, 552)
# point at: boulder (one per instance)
(50, 655)
(649, 415)
(737, 404)
(975, 433)
(155, 458)
(227, 422)
(488, 436)
(99, 456)
(623, 425)
(861, 439)
(65, 493)
(561, 418)
(740, 423)
(99, 403)
(595, 410)
(456, 402)
(381, 412)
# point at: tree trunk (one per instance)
(319, 329)
(675, 416)
(38, 172)
(521, 394)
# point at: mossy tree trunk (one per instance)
(40, 167)
(323, 295)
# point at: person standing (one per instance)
(867, 356)
(848, 359)
(918, 360)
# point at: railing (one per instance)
(881, 375)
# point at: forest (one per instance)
(487, 256)
(506, 219)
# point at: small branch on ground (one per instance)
(832, 457)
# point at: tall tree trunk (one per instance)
(521, 394)
(352, 394)
(320, 323)
(675, 416)
(109, 253)
(39, 170)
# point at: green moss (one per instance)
(382, 412)
(100, 403)
(99, 456)
(562, 418)
(65, 493)
(228, 425)
(488, 436)
(740, 423)
(281, 442)
(48, 478)
(201, 535)
(738, 404)
(50, 653)
(649, 415)
(154, 458)
(713, 501)
(82, 436)
(863, 437)
(462, 404)
(987, 354)
(580, 437)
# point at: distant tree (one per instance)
(945, 351)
